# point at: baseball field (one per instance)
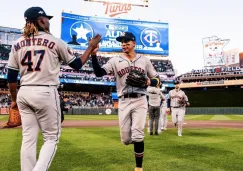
(92, 143)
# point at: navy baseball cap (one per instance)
(126, 36)
(177, 82)
(33, 13)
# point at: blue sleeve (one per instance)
(168, 103)
(12, 76)
(76, 64)
(99, 72)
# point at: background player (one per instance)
(177, 101)
(155, 97)
(37, 56)
(163, 121)
(132, 100)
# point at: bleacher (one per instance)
(163, 67)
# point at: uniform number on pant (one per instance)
(27, 60)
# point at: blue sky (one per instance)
(189, 22)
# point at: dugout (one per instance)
(214, 97)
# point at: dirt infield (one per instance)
(187, 124)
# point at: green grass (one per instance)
(3, 117)
(100, 149)
(115, 117)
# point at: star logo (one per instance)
(81, 32)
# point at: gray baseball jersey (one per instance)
(155, 96)
(164, 103)
(132, 111)
(174, 96)
(120, 67)
(38, 60)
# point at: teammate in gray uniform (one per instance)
(155, 97)
(163, 120)
(132, 100)
(177, 108)
(37, 56)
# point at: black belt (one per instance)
(132, 95)
(39, 85)
(176, 106)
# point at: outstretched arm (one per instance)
(67, 56)
(99, 72)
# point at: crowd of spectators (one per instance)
(72, 99)
(163, 67)
(5, 98)
(87, 100)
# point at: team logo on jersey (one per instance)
(151, 39)
(80, 32)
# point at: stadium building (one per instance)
(82, 90)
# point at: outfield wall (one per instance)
(189, 110)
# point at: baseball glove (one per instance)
(181, 101)
(136, 78)
(14, 119)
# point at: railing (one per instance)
(92, 111)
(214, 110)
(189, 111)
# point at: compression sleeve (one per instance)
(99, 72)
(168, 103)
(12, 75)
(76, 64)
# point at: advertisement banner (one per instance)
(151, 37)
(210, 82)
(66, 80)
(4, 111)
(213, 52)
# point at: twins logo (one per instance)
(80, 32)
(150, 37)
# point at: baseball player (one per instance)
(177, 101)
(155, 97)
(163, 115)
(37, 57)
(132, 99)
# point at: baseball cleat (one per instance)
(138, 169)
(165, 128)
(160, 131)
(151, 133)
(179, 133)
(148, 130)
(156, 133)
